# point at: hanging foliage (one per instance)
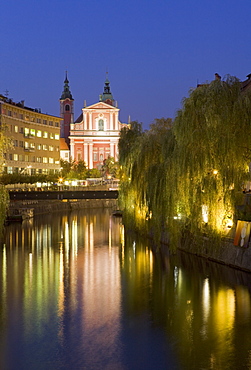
(187, 176)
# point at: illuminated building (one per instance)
(94, 136)
(34, 136)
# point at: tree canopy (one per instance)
(188, 174)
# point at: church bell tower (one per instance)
(66, 111)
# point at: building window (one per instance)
(95, 157)
(21, 144)
(21, 130)
(45, 134)
(15, 142)
(51, 136)
(45, 160)
(45, 147)
(50, 148)
(56, 136)
(51, 160)
(45, 122)
(50, 123)
(101, 125)
(9, 113)
(15, 157)
(39, 146)
(16, 129)
(26, 132)
(26, 158)
(39, 133)
(56, 124)
(67, 108)
(21, 116)
(39, 159)
(38, 120)
(32, 132)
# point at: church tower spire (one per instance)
(107, 97)
(66, 110)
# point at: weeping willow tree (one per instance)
(143, 186)
(213, 154)
(187, 177)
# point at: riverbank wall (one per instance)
(50, 206)
(225, 252)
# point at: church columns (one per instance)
(85, 119)
(111, 122)
(90, 163)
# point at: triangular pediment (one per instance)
(101, 105)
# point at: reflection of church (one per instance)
(94, 136)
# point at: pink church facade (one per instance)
(94, 136)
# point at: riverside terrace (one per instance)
(63, 195)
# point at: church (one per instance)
(94, 135)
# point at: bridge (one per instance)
(63, 195)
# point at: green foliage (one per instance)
(93, 173)
(199, 162)
(110, 167)
(73, 170)
(17, 178)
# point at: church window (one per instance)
(101, 125)
(67, 108)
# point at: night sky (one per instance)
(154, 51)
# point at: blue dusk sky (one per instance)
(154, 51)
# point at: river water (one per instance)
(77, 292)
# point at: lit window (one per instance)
(45, 160)
(57, 136)
(39, 133)
(16, 129)
(45, 134)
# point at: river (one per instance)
(77, 292)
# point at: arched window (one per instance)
(67, 108)
(101, 125)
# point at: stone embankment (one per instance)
(49, 206)
(225, 253)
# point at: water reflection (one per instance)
(78, 292)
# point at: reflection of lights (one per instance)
(206, 299)
(175, 274)
(67, 242)
(224, 311)
(134, 248)
(30, 264)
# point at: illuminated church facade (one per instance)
(94, 136)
